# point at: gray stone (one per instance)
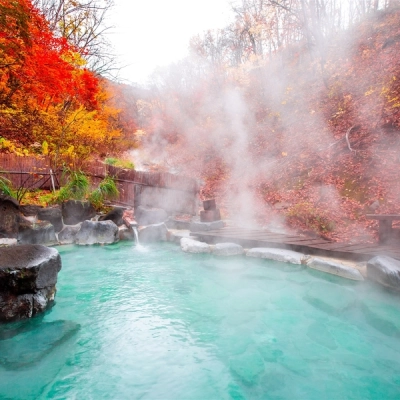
(194, 246)
(276, 254)
(196, 226)
(173, 223)
(335, 268)
(28, 275)
(30, 210)
(153, 233)
(384, 270)
(74, 211)
(126, 233)
(68, 234)
(150, 216)
(41, 232)
(331, 298)
(97, 232)
(9, 217)
(8, 242)
(115, 215)
(227, 249)
(52, 215)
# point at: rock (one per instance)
(227, 249)
(384, 270)
(34, 343)
(331, 298)
(53, 215)
(41, 232)
(97, 232)
(150, 216)
(30, 210)
(335, 268)
(383, 317)
(115, 215)
(126, 233)
(173, 223)
(9, 217)
(193, 246)
(196, 226)
(8, 242)
(276, 254)
(28, 275)
(68, 234)
(74, 211)
(247, 366)
(153, 233)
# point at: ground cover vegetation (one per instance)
(289, 115)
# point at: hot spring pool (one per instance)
(162, 324)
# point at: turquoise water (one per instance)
(156, 323)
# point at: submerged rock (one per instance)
(97, 232)
(28, 275)
(335, 268)
(227, 249)
(194, 246)
(34, 343)
(329, 297)
(384, 270)
(276, 254)
(153, 233)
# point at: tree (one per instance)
(83, 24)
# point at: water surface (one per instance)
(156, 323)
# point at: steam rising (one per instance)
(271, 128)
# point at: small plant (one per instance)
(77, 187)
(5, 187)
(116, 162)
(106, 190)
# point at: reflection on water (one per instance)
(133, 322)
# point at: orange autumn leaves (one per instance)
(48, 99)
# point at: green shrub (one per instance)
(106, 190)
(77, 187)
(117, 162)
(5, 187)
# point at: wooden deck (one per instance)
(261, 238)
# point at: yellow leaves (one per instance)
(369, 92)
(284, 154)
(45, 148)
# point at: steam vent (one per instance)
(28, 276)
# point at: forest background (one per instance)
(289, 115)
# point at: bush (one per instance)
(116, 162)
(5, 187)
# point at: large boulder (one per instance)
(97, 232)
(193, 246)
(115, 215)
(30, 210)
(227, 249)
(41, 232)
(9, 217)
(28, 275)
(53, 215)
(153, 233)
(282, 255)
(384, 270)
(74, 211)
(68, 234)
(335, 268)
(150, 216)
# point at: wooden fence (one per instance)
(152, 189)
